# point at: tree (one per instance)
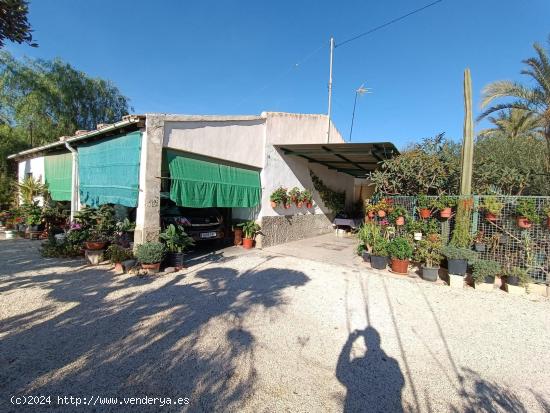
(42, 100)
(430, 167)
(14, 25)
(533, 100)
(513, 124)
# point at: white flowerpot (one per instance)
(417, 236)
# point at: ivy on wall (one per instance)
(333, 200)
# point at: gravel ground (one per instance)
(257, 331)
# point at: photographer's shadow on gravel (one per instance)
(374, 381)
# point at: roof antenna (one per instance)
(358, 92)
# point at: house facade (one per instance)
(232, 162)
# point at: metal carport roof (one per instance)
(356, 159)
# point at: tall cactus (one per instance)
(468, 140)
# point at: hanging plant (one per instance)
(335, 201)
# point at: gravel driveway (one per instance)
(258, 331)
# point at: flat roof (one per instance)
(355, 159)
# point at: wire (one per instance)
(388, 23)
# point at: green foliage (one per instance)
(423, 202)
(429, 252)
(413, 226)
(396, 212)
(368, 233)
(150, 252)
(307, 196)
(461, 235)
(52, 249)
(30, 188)
(15, 27)
(125, 226)
(279, 196)
(117, 253)
(490, 203)
(431, 226)
(520, 273)
(295, 194)
(429, 167)
(380, 247)
(176, 239)
(32, 213)
(250, 229)
(335, 201)
(400, 248)
(485, 268)
(455, 253)
(98, 223)
(443, 201)
(527, 208)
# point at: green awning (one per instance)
(198, 183)
(108, 170)
(58, 176)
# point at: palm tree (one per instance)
(514, 124)
(533, 100)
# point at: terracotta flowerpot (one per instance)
(309, 205)
(370, 214)
(119, 268)
(400, 221)
(381, 213)
(523, 222)
(287, 206)
(399, 266)
(299, 204)
(490, 217)
(94, 245)
(154, 267)
(425, 213)
(274, 204)
(445, 213)
(238, 236)
(433, 237)
(248, 243)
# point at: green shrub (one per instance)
(250, 229)
(491, 204)
(443, 201)
(279, 196)
(527, 208)
(380, 247)
(52, 249)
(176, 239)
(456, 253)
(368, 233)
(485, 268)
(429, 252)
(400, 248)
(150, 252)
(117, 253)
(423, 202)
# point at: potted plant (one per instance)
(367, 235)
(125, 230)
(379, 255)
(117, 255)
(526, 213)
(370, 210)
(415, 228)
(279, 196)
(423, 204)
(492, 207)
(96, 240)
(400, 251)
(479, 242)
(397, 215)
(485, 271)
(307, 198)
(516, 276)
(250, 229)
(428, 252)
(445, 205)
(33, 216)
(176, 241)
(546, 212)
(431, 228)
(458, 258)
(296, 196)
(381, 208)
(150, 255)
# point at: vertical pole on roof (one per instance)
(330, 87)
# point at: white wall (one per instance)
(290, 171)
(239, 141)
(34, 166)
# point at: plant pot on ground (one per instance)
(485, 271)
(379, 255)
(237, 235)
(250, 229)
(400, 251)
(118, 254)
(367, 234)
(458, 258)
(516, 276)
(428, 252)
(150, 255)
(176, 241)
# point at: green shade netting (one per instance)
(201, 184)
(58, 176)
(108, 170)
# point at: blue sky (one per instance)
(222, 57)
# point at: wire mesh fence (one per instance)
(500, 237)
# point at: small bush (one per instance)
(117, 253)
(52, 249)
(150, 252)
(455, 253)
(485, 268)
(400, 248)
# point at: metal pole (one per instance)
(330, 88)
(353, 115)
